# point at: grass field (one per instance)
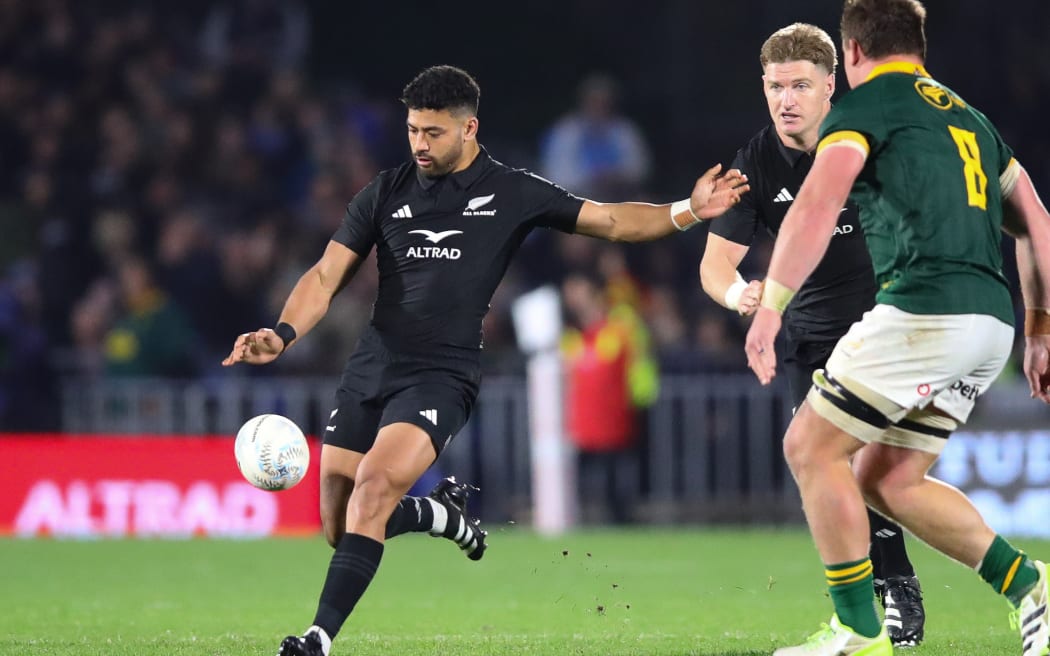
(602, 593)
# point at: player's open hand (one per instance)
(259, 347)
(749, 298)
(1037, 366)
(759, 344)
(714, 193)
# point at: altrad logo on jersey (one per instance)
(435, 252)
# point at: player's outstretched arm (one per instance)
(306, 305)
(712, 195)
(1026, 219)
(722, 281)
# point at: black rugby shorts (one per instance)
(376, 392)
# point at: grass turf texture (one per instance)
(608, 593)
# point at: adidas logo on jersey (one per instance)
(403, 213)
(783, 197)
(430, 415)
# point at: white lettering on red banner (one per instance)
(147, 509)
(147, 486)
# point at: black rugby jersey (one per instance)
(443, 245)
(842, 287)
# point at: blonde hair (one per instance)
(800, 42)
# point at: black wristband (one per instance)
(286, 332)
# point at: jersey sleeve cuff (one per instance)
(849, 138)
(1009, 177)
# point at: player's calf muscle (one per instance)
(335, 493)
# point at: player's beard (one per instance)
(440, 166)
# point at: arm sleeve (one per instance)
(1009, 169)
(359, 229)
(1004, 154)
(740, 222)
(546, 204)
(855, 121)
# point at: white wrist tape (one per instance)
(681, 207)
(735, 291)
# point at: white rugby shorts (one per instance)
(914, 360)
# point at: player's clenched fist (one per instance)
(750, 298)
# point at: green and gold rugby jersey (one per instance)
(929, 193)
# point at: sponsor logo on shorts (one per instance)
(969, 391)
(964, 389)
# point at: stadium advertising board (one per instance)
(1007, 476)
(142, 486)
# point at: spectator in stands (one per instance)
(27, 394)
(256, 34)
(152, 336)
(144, 109)
(595, 151)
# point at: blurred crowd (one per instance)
(168, 170)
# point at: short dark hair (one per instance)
(885, 27)
(800, 42)
(442, 87)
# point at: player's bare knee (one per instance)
(793, 450)
(373, 499)
(799, 450)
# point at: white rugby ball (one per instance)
(271, 452)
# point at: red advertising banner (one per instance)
(143, 486)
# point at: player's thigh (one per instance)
(812, 439)
(400, 455)
(880, 466)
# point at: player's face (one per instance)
(797, 93)
(437, 139)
